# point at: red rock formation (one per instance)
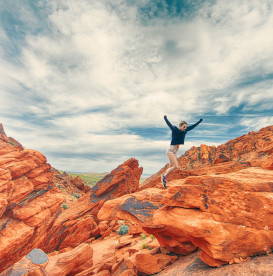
(150, 264)
(69, 183)
(191, 265)
(9, 140)
(72, 226)
(122, 180)
(68, 262)
(24, 176)
(252, 149)
(137, 207)
(230, 166)
(41, 208)
(220, 203)
(229, 217)
(121, 255)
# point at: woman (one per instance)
(178, 137)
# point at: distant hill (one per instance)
(91, 178)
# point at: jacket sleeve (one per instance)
(168, 122)
(194, 125)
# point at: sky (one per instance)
(87, 83)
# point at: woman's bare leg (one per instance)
(169, 170)
(174, 164)
(174, 159)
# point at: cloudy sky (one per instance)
(87, 83)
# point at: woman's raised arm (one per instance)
(168, 122)
(194, 125)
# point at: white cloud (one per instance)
(96, 56)
(256, 124)
(151, 164)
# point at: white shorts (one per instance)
(173, 149)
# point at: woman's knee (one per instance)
(171, 158)
(177, 165)
(171, 168)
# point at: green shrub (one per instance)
(76, 195)
(123, 229)
(65, 206)
(146, 246)
(143, 236)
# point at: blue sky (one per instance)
(87, 83)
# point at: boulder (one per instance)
(229, 217)
(122, 180)
(68, 262)
(191, 265)
(135, 208)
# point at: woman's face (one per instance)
(183, 127)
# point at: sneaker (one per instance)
(164, 181)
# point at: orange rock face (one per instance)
(220, 205)
(42, 208)
(227, 216)
(150, 264)
(120, 181)
(251, 149)
(24, 176)
(70, 184)
(69, 262)
(31, 205)
(254, 147)
(137, 207)
(191, 265)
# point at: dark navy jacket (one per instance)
(178, 136)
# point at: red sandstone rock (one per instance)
(125, 268)
(191, 265)
(217, 203)
(78, 182)
(73, 226)
(24, 176)
(120, 181)
(31, 211)
(252, 149)
(227, 216)
(150, 264)
(37, 214)
(11, 141)
(69, 183)
(219, 168)
(136, 208)
(71, 262)
(117, 254)
(103, 273)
